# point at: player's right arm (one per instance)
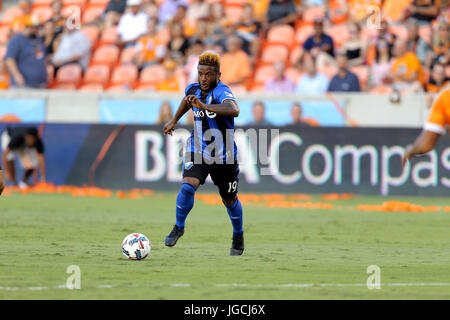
(433, 129)
(182, 109)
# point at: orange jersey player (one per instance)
(434, 127)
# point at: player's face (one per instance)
(30, 140)
(207, 77)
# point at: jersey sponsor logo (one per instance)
(188, 165)
(201, 114)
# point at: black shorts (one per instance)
(225, 176)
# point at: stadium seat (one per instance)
(340, 33)
(42, 3)
(233, 12)
(80, 3)
(70, 73)
(109, 36)
(362, 72)
(180, 74)
(92, 32)
(118, 88)
(92, 87)
(145, 87)
(258, 88)
(127, 54)
(10, 14)
(381, 90)
(64, 86)
(238, 89)
(99, 2)
(152, 74)
(303, 33)
(295, 54)
(264, 73)
(274, 53)
(43, 13)
(281, 34)
(98, 74)
(124, 74)
(107, 54)
(91, 13)
(4, 34)
(313, 13)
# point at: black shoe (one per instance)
(237, 247)
(173, 236)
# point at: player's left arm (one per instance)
(228, 107)
(423, 144)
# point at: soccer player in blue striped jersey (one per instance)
(210, 150)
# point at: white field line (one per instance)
(241, 285)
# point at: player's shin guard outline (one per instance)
(236, 217)
(184, 204)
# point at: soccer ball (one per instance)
(136, 246)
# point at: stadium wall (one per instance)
(338, 110)
(297, 159)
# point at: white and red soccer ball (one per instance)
(136, 246)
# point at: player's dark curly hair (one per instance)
(209, 59)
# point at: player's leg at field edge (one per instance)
(2, 182)
(185, 200)
(234, 208)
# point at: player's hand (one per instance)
(169, 127)
(407, 155)
(194, 101)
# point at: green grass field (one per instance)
(290, 253)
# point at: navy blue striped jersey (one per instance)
(213, 134)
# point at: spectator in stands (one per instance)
(313, 82)
(50, 38)
(198, 9)
(320, 45)
(380, 71)
(281, 12)
(132, 24)
(113, 11)
(386, 35)
(437, 80)
(249, 29)
(355, 47)
(422, 11)
(235, 64)
(149, 49)
(57, 17)
(297, 115)
(75, 47)
(171, 83)
(259, 117)
(280, 83)
(418, 46)
(202, 33)
(151, 9)
(178, 43)
(190, 68)
(441, 44)
(227, 31)
(168, 9)
(344, 80)
(406, 68)
(165, 113)
(18, 23)
(218, 17)
(25, 58)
